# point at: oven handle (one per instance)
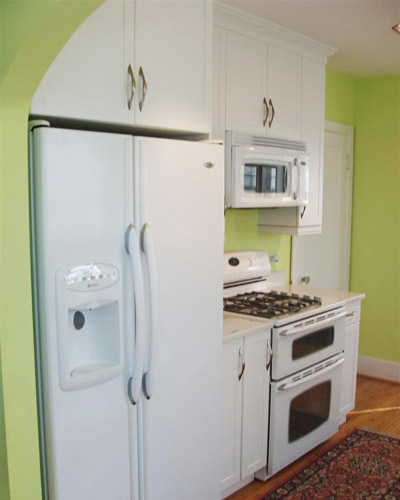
(312, 376)
(310, 327)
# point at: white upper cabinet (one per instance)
(263, 88)
(88, 79)
(284, 93)
(173, 48)
(246, 84)
(269, 81)
(139, 63)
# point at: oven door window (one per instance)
(309, 410)
(313, 342)
(261, 179)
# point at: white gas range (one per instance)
(306, 356)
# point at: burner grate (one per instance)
(269, 304)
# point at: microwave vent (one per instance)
(252, 140)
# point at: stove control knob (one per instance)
(233, 261)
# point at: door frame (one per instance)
(348, 131)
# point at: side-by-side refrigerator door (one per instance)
(179, 213)
(83, 204)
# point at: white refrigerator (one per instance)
(128, 250)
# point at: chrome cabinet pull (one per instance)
(133, 87)
(269, 355)
(273, 113)
(349, 315)
(302, 213)
(266, 112)
(243, 364)
(144, 88)
(305, 279)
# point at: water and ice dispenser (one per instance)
(89, 323)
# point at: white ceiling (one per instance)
(359, 29)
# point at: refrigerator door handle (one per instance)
(133, 249)
(148, 248)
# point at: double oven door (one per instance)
(306, 385)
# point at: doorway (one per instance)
(323, 260)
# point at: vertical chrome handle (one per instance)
(148, 248)
(269, 355)
(242, 364)
(273, 113)
(144, 88)
(302, 213)
(266, 112)
(132, 248)
(132, 88)
(295, 185)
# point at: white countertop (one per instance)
(238, 326)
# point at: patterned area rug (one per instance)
(364, 465)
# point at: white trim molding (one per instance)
(379, 368)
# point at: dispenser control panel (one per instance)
(91, 276)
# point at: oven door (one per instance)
(303, 343)
(304, 411)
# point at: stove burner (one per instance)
(269, 305)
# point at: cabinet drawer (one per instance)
(353, 313)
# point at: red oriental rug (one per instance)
(364, 465)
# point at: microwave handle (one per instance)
(295, 189)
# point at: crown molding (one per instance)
(229, 17)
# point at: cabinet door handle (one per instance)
(242, 364)
(349, 315)
(144, 88)
(269, 355)
(266, 112)
(133, 87)
(302, 213)
(273, 113)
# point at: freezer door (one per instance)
(181, 188)
(82, 188)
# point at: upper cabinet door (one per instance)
(89, 80)
(284, 94)
(173, 52)
(246, 86)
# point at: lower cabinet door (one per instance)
(255, 404)
(348, 394)
(231, 412)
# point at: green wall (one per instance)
(241, 233)
(31, 35)
(375, 248)
(372, 106)
(339, 98)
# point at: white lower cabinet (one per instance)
(348, 395)
(245, 407)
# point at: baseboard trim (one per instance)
(379, 368)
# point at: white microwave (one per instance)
(262, 172)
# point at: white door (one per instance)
(284, 93)
(89, 80)
(173, 56)
(181, 199)
(323, 259)
(246, 85)
(231, 412)
(255, 403)
(81, 219)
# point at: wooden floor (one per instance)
(377, 407)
